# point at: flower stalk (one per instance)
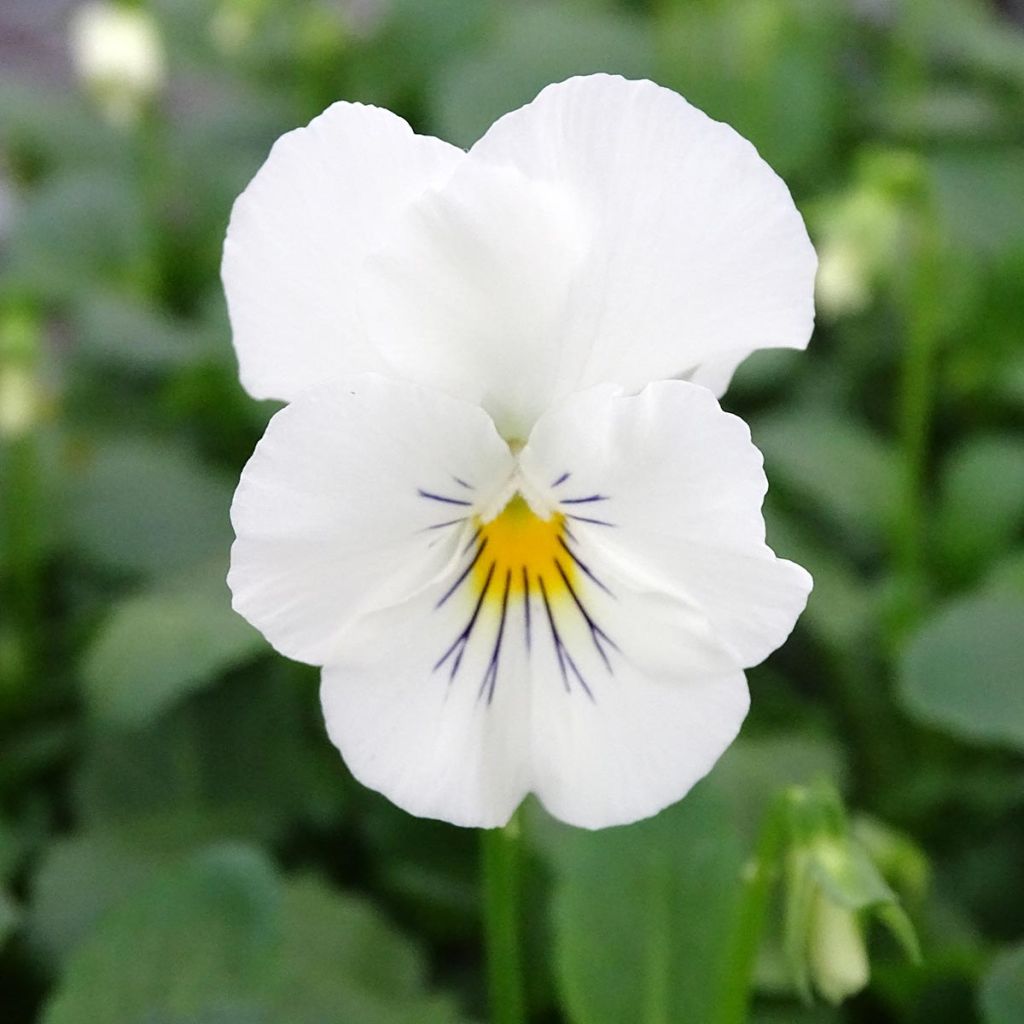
(759, 876)
(500, 869)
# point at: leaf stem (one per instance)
(500, 862)
(738, 969)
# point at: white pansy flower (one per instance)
(527, 561)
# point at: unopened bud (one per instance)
(119, 56)
(837, 954)
(19, 401)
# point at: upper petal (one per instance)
(697, 255)
(298, 236)
(473, 289)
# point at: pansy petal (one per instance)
(668, 488)
(489, 684)
(439, 726)
(471, 290)
(299, 234)
(698, 255)
(352, 501)
(638, 748)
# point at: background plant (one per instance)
(178, 840)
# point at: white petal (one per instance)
(338, 509)
(638, 748)
(679, 485)
(446, 740)
(698, 255)
(477, 690)
(299, 234)
(471, 291)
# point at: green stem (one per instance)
(738, 975)
(916, 407)
(501, 853)
(22, 508)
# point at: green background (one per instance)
(179, 843)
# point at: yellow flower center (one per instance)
(522, 553)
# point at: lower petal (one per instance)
(439, 727)
(638, 748)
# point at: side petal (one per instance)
(355, 498)
(299, 234)
(668, 488)
(698, 255)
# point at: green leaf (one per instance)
(766, 67)
(962, 670)
(842, 605)
(157, 646)
(250, 752)
(201, 937)
(1002, 991)
(979, 197)
(796, 1015)
(219, 938)
(535, 45)
(78, 230)
(642, 914)
(832, 467)
(145, 506)
(80, 877)
(1007, 574)
(10, 917)
(339, 960)
(982, 503)
(127, 333)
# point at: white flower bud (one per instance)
(837, 952)
(119, 56)
(19, 401)
(843, 284)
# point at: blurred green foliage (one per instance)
(179, 844)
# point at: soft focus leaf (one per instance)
(962, 670)
(642, 914)
(841, 606)
(220, 938)
(124, 332)
(767, 67)
(145, 506)
(982, 504)
(80, 877)
(201, 937)
(77, 231)
(1002, 991)
(535, 45)
(979, 197)
(831, 467)
(251, 752)
(157, 646)
(339, 960)
(10, 917)
(1008, 574)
